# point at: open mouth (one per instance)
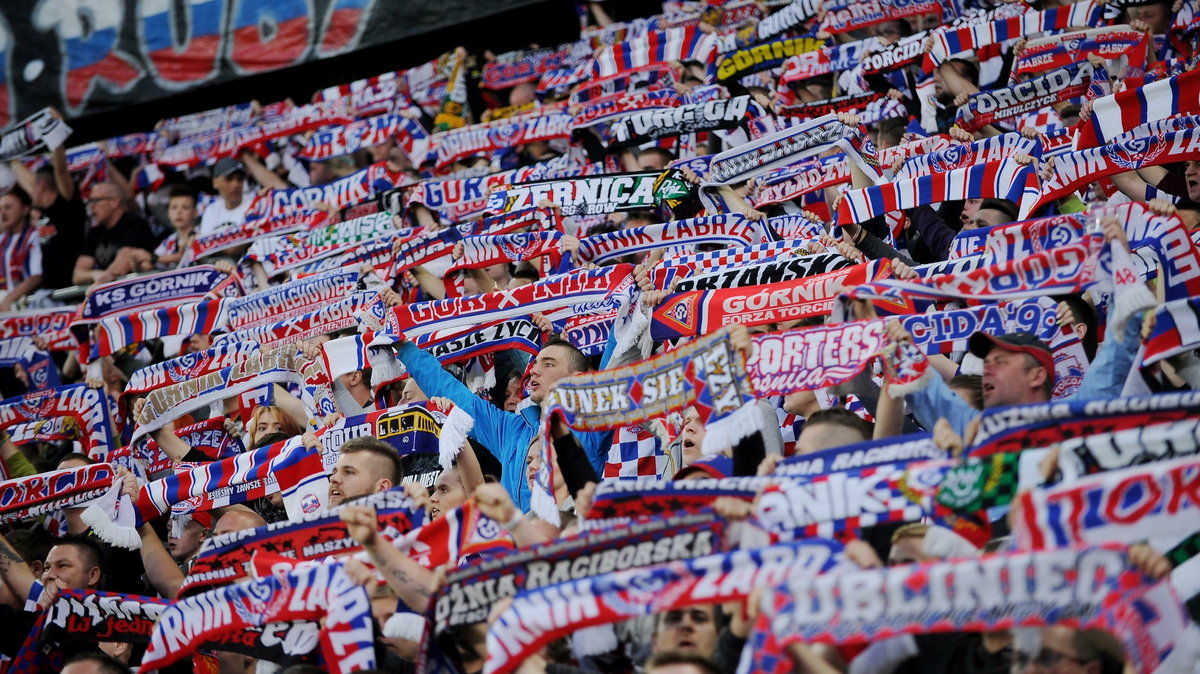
(434, 513)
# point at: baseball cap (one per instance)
(1019, 342)
(227, 166)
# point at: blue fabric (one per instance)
(506, 434)
(1105, 378)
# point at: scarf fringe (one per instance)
(596, 640)
(544, 506)
(898, 390)
(1129, 297)
(119, 530)
(453, 436)
(407, 626)
(723, 434)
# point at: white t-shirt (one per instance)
(217, 216)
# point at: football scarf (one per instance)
(1052, 272)
(338, 315)
(794, 226)
(114, 333)
(156, 291)
(1035, 93)
(450, 146)
(707, 373)
(962, 155)
(870, 454)
(594, 195)
(1056, 51)
(485, 251)
(772, 151)
(836, 503)
(1074, 170)
(89, 408)
(727, 229)
(764, 272)
(978, 594)
(800, 179)
(455, 346)
(950, 42)
(36, 133)
(618, 107)
(539, 616)
(250, 231)
(410, 429)
(207, 437)
(356, 188)
(699, 312)
(284, 364)
(1005, 179)
(292, 299)
(763, 56)
(673, 266)
(187, 366)
(904, 52)
(650, 125)
(346, 139)
(427, 246)
(283, 253)
(636, 452)
(1014, 428)
(620, 500)
(26, 497)
(821, 61)
(1084, 455)
(792, 14)
(654, 46)
(226, 558)
(1124, 111)
(814, 109)
(857, 15)
(101, 617)
(469, 594)
(319, 592)
(581, 292)
(1130, 505)
(52, 325)
(513, 68)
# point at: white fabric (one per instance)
(217, 216)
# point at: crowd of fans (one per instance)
(70, 229)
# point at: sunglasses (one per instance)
(1044, 658)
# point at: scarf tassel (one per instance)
(453, 436)
(722, 434)
(596, 640)
(111, 518)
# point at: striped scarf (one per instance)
(454, 346)
(207, 437)
(225, 559)
(681, 265)
(350, 138)
(787, 269)
(89, 407)
(291, 299)
(622, 104)
(450, 146)
(1114, 115)
(37, 132)
(1004, 179)
(430, 245)
(156, 291)
(1056, 51)
(962, 155)
(485, 251)
(855, 16)
(319, 592)
(14, 255)
(1071, 81)
(537, 617)
(802, 178)
(595, 195)
(706, 373)
(45, 493)
(726, 229)
(101, 617)
(279, 254)
(654, 46)
(337, 315)
(114, 333)
(950, 42)
(997, 592)
(579, 292)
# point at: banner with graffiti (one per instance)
(89, 56)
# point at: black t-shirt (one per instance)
(62, 233)
(130, 231)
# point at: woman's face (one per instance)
(266, 424)
(448, 493)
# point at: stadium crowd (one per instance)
(744, 336)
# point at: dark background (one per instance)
(399, 34)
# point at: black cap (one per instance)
(982, 343)
(227, 166)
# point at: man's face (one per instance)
(448, 493)
(652, 161)
(103, 204)
(231, 187)
(1050, 650)
(197, 343)
(988, 217)
(412, 392)
(818, 437)
(690, 630)
(550, 365)
(353, 475)
(1008, 378)
(68, 567)
(692, 436)
(188, 544)
(181, 211)
(1158, 17)
(908, 550)
(1192, 175)
(12, 213)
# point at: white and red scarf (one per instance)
(726, 229)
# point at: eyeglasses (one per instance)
(1045, 658)
(93, 200)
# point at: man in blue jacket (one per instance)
(508, 434)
